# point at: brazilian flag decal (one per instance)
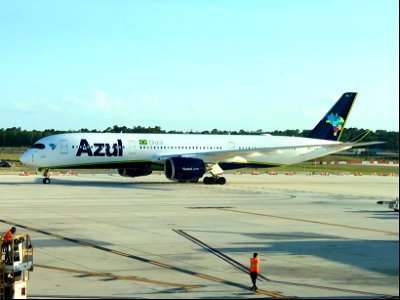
(142, 142)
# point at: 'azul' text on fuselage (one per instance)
(100, 149)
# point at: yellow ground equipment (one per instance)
(16, 263)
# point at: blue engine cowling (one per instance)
(133, 172)
(184, 169)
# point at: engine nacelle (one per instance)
(184, 169)
(133, 172)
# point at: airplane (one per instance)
(188, 157)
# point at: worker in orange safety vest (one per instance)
(7, 241)
(254, 270)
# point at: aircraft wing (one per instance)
(219, 155)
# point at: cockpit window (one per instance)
(38, 146)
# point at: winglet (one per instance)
(331, 125)
(356, 141)
(360, 137)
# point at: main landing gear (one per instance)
(46, 174)
(214, 180)
(214, 170)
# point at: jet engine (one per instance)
(133, 172)
(184, 169)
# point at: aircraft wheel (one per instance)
(221, 180)
(209, 180)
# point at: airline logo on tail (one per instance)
(336, 121)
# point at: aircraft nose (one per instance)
(25, 158)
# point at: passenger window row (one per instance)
(183, 147)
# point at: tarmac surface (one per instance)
(105, 236)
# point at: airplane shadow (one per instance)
(115, 184)
(381, 256)
(162, 186)
(388, 214)
(277, 236)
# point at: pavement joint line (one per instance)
(156, 263)
(310, 221)
(119, 277)
(211, 278)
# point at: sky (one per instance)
(197, 64)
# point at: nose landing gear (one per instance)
(46, 174)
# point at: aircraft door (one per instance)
(231, 146)
(64, 147)
(132, 147)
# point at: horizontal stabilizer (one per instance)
(364, 144)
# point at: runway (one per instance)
(105, 236)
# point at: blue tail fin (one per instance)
(332, 124)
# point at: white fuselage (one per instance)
(74, 150)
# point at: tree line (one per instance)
(16, 137)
